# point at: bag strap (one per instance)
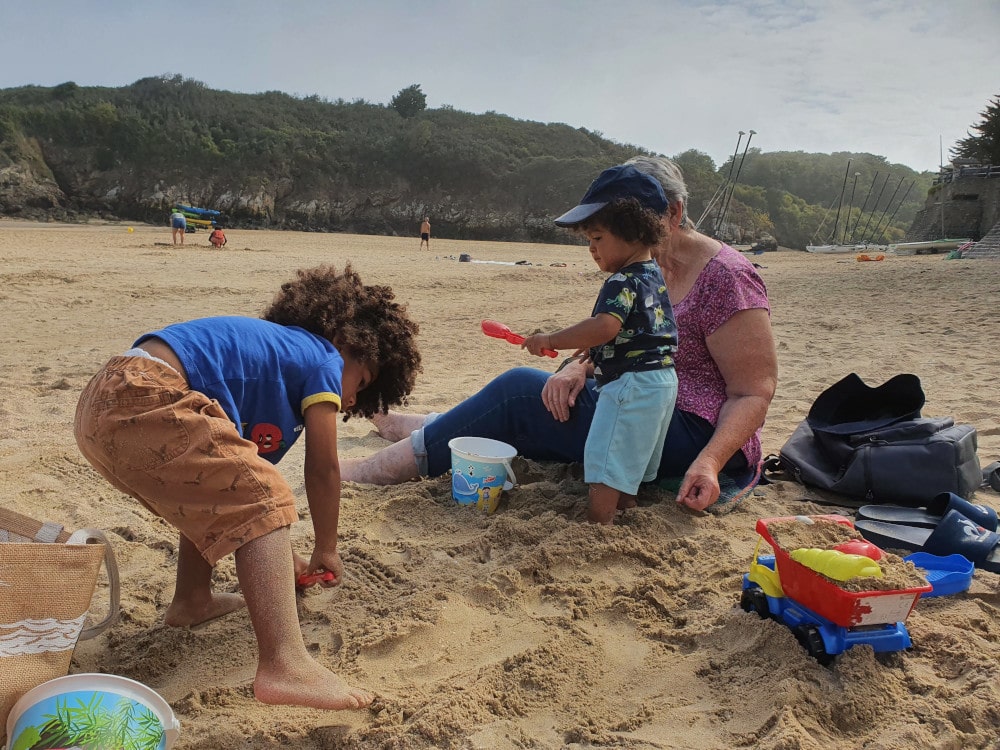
(88, 536)
(15, 527)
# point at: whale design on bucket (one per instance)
(480, 471)
(92, 710)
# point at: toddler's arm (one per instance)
(594, 331)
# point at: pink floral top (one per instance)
(728, 284)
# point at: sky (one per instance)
(905, 79)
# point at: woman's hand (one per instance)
(561, 389)
(700, 487)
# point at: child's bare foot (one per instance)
(626, 501)
(314, 686)
(183, 614)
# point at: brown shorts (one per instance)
(177, 452)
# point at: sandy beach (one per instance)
(527, 628)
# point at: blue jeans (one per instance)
(510, 408)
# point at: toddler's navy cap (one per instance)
(623, 181)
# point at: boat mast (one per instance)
(901, 200)
(843, 188)
(864, 232)
(854, 232)
(739, 169)
(725, 185)
(850, 206)
(886, 209)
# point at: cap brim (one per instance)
(579, 214)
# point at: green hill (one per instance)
(278, 161)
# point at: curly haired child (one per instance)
(191, 421)
(631, 335)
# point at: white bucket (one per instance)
(480, 471)
(123, 709)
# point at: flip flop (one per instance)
(982, 515)
(991, 475)
(954, 535)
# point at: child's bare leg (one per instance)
(286, 673)
(603, 504)
(395, 426)
(194, 601)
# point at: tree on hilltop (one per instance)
(410, 101)
(985, 147)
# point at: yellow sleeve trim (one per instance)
(317, 398)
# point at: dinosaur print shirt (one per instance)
(637, 296)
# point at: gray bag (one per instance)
(872, 445)
(905, 463)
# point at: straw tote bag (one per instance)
(47, 580)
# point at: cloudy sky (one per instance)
(898, 78)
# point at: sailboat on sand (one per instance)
(833, 246)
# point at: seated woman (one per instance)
(726, 367)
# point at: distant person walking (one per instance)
(425, 233)
(178, 224)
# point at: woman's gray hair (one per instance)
(670, 177)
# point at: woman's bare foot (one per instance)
(185, 614)
(394, 464)
(396, 426)
(312, 685)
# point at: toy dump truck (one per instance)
(824, 617)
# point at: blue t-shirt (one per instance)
(637, 296)
(264, 375)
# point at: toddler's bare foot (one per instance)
(626, 501)
(313, 686)
(183, 614)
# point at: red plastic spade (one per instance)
(500, 331)
(308, 579)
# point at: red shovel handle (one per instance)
(308, 579)
(499, 331)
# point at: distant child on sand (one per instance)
(191, 420)
(631, 335)
(425, 233)
(217, 237)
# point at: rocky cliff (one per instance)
(58, 184)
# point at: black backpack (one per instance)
(871, 445)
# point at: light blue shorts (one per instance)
(178, 222)
(630, 424)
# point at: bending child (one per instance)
(631, 336)
(191, 421)
(217, 237)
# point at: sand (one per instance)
(527, 628)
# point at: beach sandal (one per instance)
(991, 475)
(954, 535)
(936, 509)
